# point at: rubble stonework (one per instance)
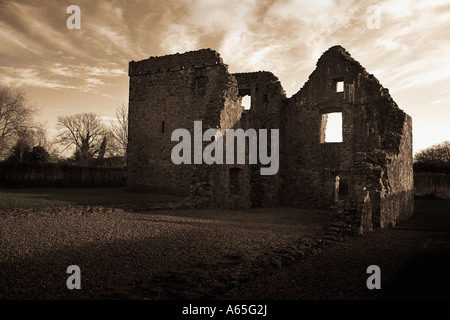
(368, 176)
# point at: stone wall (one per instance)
(432, 185)
(310, 166)
(374, 157)
(397, 202)
(267, 100)
(367, 176)
(54, 175)
(169, 93)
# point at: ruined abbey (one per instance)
(368, 174)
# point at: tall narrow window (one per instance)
(343, 186)
(163, 124)
(332, 126)
(246, 102)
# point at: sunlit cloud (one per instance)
(108, 119)
(83, 70)
(8, 37)
(113, 41)
(409, 54)
(441, 101)
(104, 72)
(390, 45)
(179, 38)
(60, 70)
(94, 82)
(109, 96)
(30, 77)
(41, 32)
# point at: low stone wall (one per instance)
(29, 175)
(432, 185)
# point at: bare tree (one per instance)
(436, 154)
(433, 159)
(27, 140)
(119, 129)
(113, 149)
(84, 131)
(23, 145)
(16, 115)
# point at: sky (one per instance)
(404, 43)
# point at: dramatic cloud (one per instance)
(409, 53)
(30, 77)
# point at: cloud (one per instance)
(113, 41)
(79, 77)
(9, 36)
(390, 45)
(441, 101)
(103, 71)
(108, 119)
(110, 34)
(409, 54)
(220, 16)
(94, 82)
(40, 31)
(83, 70)
(30, 77)
(60, 70)
(424, 72)
(179, 38)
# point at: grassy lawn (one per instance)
(431, 215)
(432, 206)
(39, 197)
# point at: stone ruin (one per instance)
(368, 176)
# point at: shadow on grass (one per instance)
(103, 265)
(426, 275)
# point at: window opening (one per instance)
(332, 125)
(339, 83)
(246, 102)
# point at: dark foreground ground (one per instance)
(263, 254)
(414, 259)
(159, 254)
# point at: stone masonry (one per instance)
(368, 176)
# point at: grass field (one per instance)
(40, 197)
(431, 206)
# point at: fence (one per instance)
(28, 175)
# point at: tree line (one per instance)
(433, 159)
(83, 137)
(91, 141)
